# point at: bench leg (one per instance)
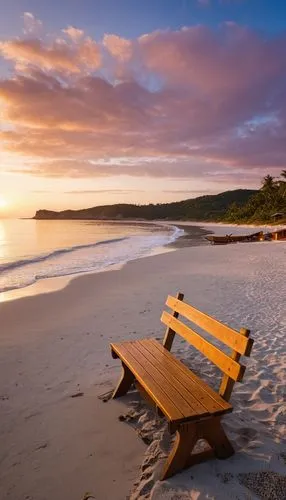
(186, 437)
(217, 438)
(125, 382)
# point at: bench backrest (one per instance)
(239, 342)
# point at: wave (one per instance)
(40, 258)
(142, 247)
(177, 232)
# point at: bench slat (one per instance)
(224, 362)
(200, 389)
(148, 383)
(170, 372)
(146, 360)
(227, 384)
(224, 333)
(173, 387)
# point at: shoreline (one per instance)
(45, 286)
(52, 284)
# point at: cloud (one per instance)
(230, 60)
(90, 191)
(32, 25)
(118, 47)
(139, 167)
(187, 103)
(190, 191)
(75, 34)
(109, 191)
(76, 54)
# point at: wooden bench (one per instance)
(193, 409)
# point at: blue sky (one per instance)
(131, 18)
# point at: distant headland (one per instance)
(266, 205)
(209, 207)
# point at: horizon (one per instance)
(107, 103)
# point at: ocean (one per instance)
(33, 250)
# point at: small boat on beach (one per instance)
(218, 240)
(258, 236)
(230, 238)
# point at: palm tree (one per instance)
(268, 183)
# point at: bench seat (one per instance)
(174, 388)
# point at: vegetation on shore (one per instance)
(261, 206)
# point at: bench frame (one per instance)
(209, 428)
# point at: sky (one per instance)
(132, 101)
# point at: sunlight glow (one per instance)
(3, 202)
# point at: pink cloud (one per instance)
(192, 101)
(75, 34)
(118, 47)
(230, 60)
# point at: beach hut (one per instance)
(279, 235)
(278, 216)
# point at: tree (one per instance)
(260, 207)
(268, 183)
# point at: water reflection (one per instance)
(3, 241)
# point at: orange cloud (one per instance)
(75, 55)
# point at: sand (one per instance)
(54, 346)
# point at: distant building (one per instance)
(278, 216)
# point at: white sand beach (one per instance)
(58, 441)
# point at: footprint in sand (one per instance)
(246, 434)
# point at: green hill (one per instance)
(203, 208)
